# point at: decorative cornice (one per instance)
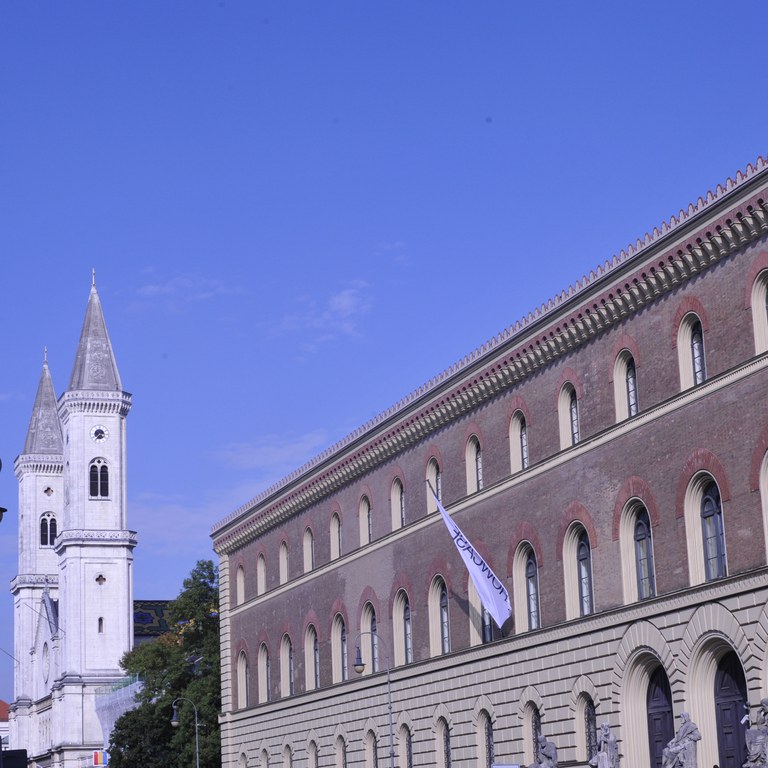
(521, 350)
(78, 536)
(39, 464)
(95, 402)
(33, 580)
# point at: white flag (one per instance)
(493, 594)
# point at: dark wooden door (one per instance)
(661, 724)
(730, 708)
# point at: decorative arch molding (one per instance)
(474, 428)
(400, 583)
(760, 264)
(530, 696)
(482, 704)
(370, 725)
(404, 719)
(242, 645)
(311, 618)
(368, 596)
(337, 609)
(523, 532)
(263, 639)
(576, 512)
(701, 460)
(365, 493)
(395, 473)
(634, 488)
(624, 341)
(263, 749)
(567, 376)
(758, 687)
(441, 712)
(516, 404)
(340, 732)
(433, 453)
(689, 305)
(312, 737)
(582, 685)
(438, 567)
(335, 510)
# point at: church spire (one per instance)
(44, 433)
(95, 367)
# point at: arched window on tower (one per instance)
(98, 479)
(47, 530)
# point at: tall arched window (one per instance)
(646, 586)
(371, 750)
(397, 504)
(312, 754)
(484, 740)
(47, 530)
(264, 759)
(690, 350)
(339, 661)
(311, 659)
(242, 680)
(439, 624)
(366, 524)
(474, 465)
(712, 532)
(98, 476)
(625, 386)
(335, 537)
(590, 727)
(240, 585)
(532, 591)
(518, 442)
(584, 567)
(265, 682)
(341, 752)
(568, 411)
(760, 312)
(369, 639)
(287, 680)
(401, 619)
(435, 480)
(443, 745)
(525, 583)
(406, 747)
(261, 575)
(309, 550)
(283, 562)
(287, 757)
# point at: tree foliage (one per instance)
(182, 664)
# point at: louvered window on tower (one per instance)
(99, 479)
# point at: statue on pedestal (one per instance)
(607, 755)
(547, 756)
(756, 739)
(680, 752)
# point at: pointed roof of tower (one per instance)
(44, 433)
(95, 367)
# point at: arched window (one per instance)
(309, 550)
(439, 624)
(481, 626)
(312, 754)
(311, 659)
(625, 386)
(577, 564)
(366, 524)
(518, 442)
(406, 747)
(531, 732)
(265, 682)
(568, 411)
(484, 740)
(339, 662)
(242, 680)
(341, 752)
(590, 728)
(443, 743)
(287, 757)
(283, 562)
(584, 565)
(335, 537)
(264, 759)
(47, 530)
(98, 477)
(261, 575)
(397, 504)
(401, 619)
(240, 585)
(712, 532)
(371, 750)
(287, 679)
(646, 586)
(525, 583)
(435, 480)
(760, 312)
(369, 640)
(690, 350)
(474, 464)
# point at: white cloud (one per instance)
(185, 288)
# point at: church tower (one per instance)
(75, 577)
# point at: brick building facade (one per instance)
(608, 456)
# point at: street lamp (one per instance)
(359, 667)
(175, 724)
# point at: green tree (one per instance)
(182, 663)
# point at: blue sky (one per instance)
(299, 212)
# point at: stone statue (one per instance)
(547, 757)
(607, 755)
(756, 738)
(681, 751)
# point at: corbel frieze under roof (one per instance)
(669, 259)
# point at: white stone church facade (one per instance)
(73, 594)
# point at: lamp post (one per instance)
(359, 668)
(175, 724)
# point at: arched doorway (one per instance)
(661, 724)
(730, 708)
